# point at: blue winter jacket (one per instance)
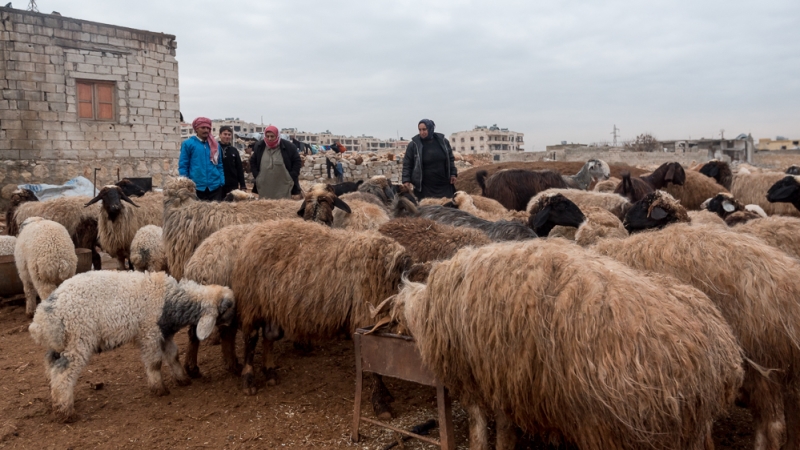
(195, 164)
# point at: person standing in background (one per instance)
(275, 165)
(200, 161)
(231, 162)
(429, 167)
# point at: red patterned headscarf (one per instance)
(273, 143)
(212, 143)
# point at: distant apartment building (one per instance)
(239, 126)
(483, 139)
(780, 143)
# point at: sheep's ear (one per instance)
(541, 217)
(338, 203)
(389, 192)
(670, 173)
(301, 212)
(705, 204)
(206, 325)
(728, 206)
(658, 213)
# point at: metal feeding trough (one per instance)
(11, 285)
(146, 183)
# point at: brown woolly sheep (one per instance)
(514, 188)
(366, 197)
(320, 204)
(781, 232)
(379, 186)
(427, 240)
(466, 178)
(695, 190)
(493, 210)
(615, 204)
(757, 296)
(634, 189)
(117, 224)
(752, 188)
(294, 300)
(556, 346)
(18, 197)
(607, 186)
(704, 217)
(719, 171)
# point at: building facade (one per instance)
(79, 95)
(780, 143)
(483, 139)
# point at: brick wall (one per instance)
(41, 137)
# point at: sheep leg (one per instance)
(64, 370)
(190, 362)
(44, 289)
(765, 405)
(506, 431)
(121, 261)
(791, 413)
(248, 376)
(171, 357)
(478, 428)
(271, 333)
(152, 356)
(228, 340)
(381, 397)
(97, 263)
(30, 293)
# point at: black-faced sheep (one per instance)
(346, 187)
(117, 224)
(102, 310)
(551, 210)
(45, 256)
(556, 346)
(593, 170)
(719, 171)
(18, 197)
(729, 209)
(634, 189)
(753, 188)
(793, 170)
(147, 250)
(514, 188)
(656, 210)
(786, 190)
(502, 230)
(615, 204)
(757, 296)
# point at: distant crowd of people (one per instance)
(215, 165)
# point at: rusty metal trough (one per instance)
(11, 285)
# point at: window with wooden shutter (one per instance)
(96, 100)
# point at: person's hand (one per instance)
(409, 186)
(453, 179)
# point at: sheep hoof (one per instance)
(248, 384)
(66, 416)
(184, 381)
(193, 372)
(250, 390)
(160, 391)
(272, 376)
(382, 409)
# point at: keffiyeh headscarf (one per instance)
(212, 143)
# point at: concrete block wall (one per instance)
(43, 55)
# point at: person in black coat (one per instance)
(429, 167)
(231, 162)
(289, 154)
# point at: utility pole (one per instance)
(32, 6)
(722, 134)
(615, 133)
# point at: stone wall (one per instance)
(777, 159)
(314, 169)
(42, 139)
(618, 156)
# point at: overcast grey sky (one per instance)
(556, 70)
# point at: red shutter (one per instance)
(85, 110)
(105, 101)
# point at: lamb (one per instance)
(786, 190)
(656, 210)
(555, 346)
(147, 250)
(752, 188)
(636, 188)
(117, 225)
(514, 188)
(7, 244)
(45, 257)
(615, 204)
(369, 267)
(102, 310)
(757, 297)
(427, 240)
(719, 171)
(594, 169)
(607, 186)
(695, 190)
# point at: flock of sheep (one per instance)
(626, 316)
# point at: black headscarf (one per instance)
(430, 126)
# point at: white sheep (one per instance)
(7, 245)
(147, 250)
(102, 310)
(45, 257)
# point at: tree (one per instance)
(644, 142)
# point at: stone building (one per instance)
(79, 95)
(483, 139)
(780, 143)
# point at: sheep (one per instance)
(367, 197)
(704, 217)
(786, 190)
(695, 190)
(18, 197)
(117, 224)
(45, 256)
(466, 202)
(147, 250)
(594, 169)
(379, 186)
(7, 244)
(656, 210)
(752, 188)
(514, 188)
(729, 209)
(427, 240)
(573, 344)
(346, 187)
(551, 210)
(188, 221)
(80, 222)
(793, 170)
(719, 171)
(616, 204)
(778, 231)
(635, 189)
(757, 296)
(238, 195)
(360, 216)
(102, 310)
(607, 186)
(598, 223)
(502, 230)
(295, 301)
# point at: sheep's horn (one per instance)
(93, 201)
(125, 197)
(374, 311)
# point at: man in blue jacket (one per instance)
(200, 161)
